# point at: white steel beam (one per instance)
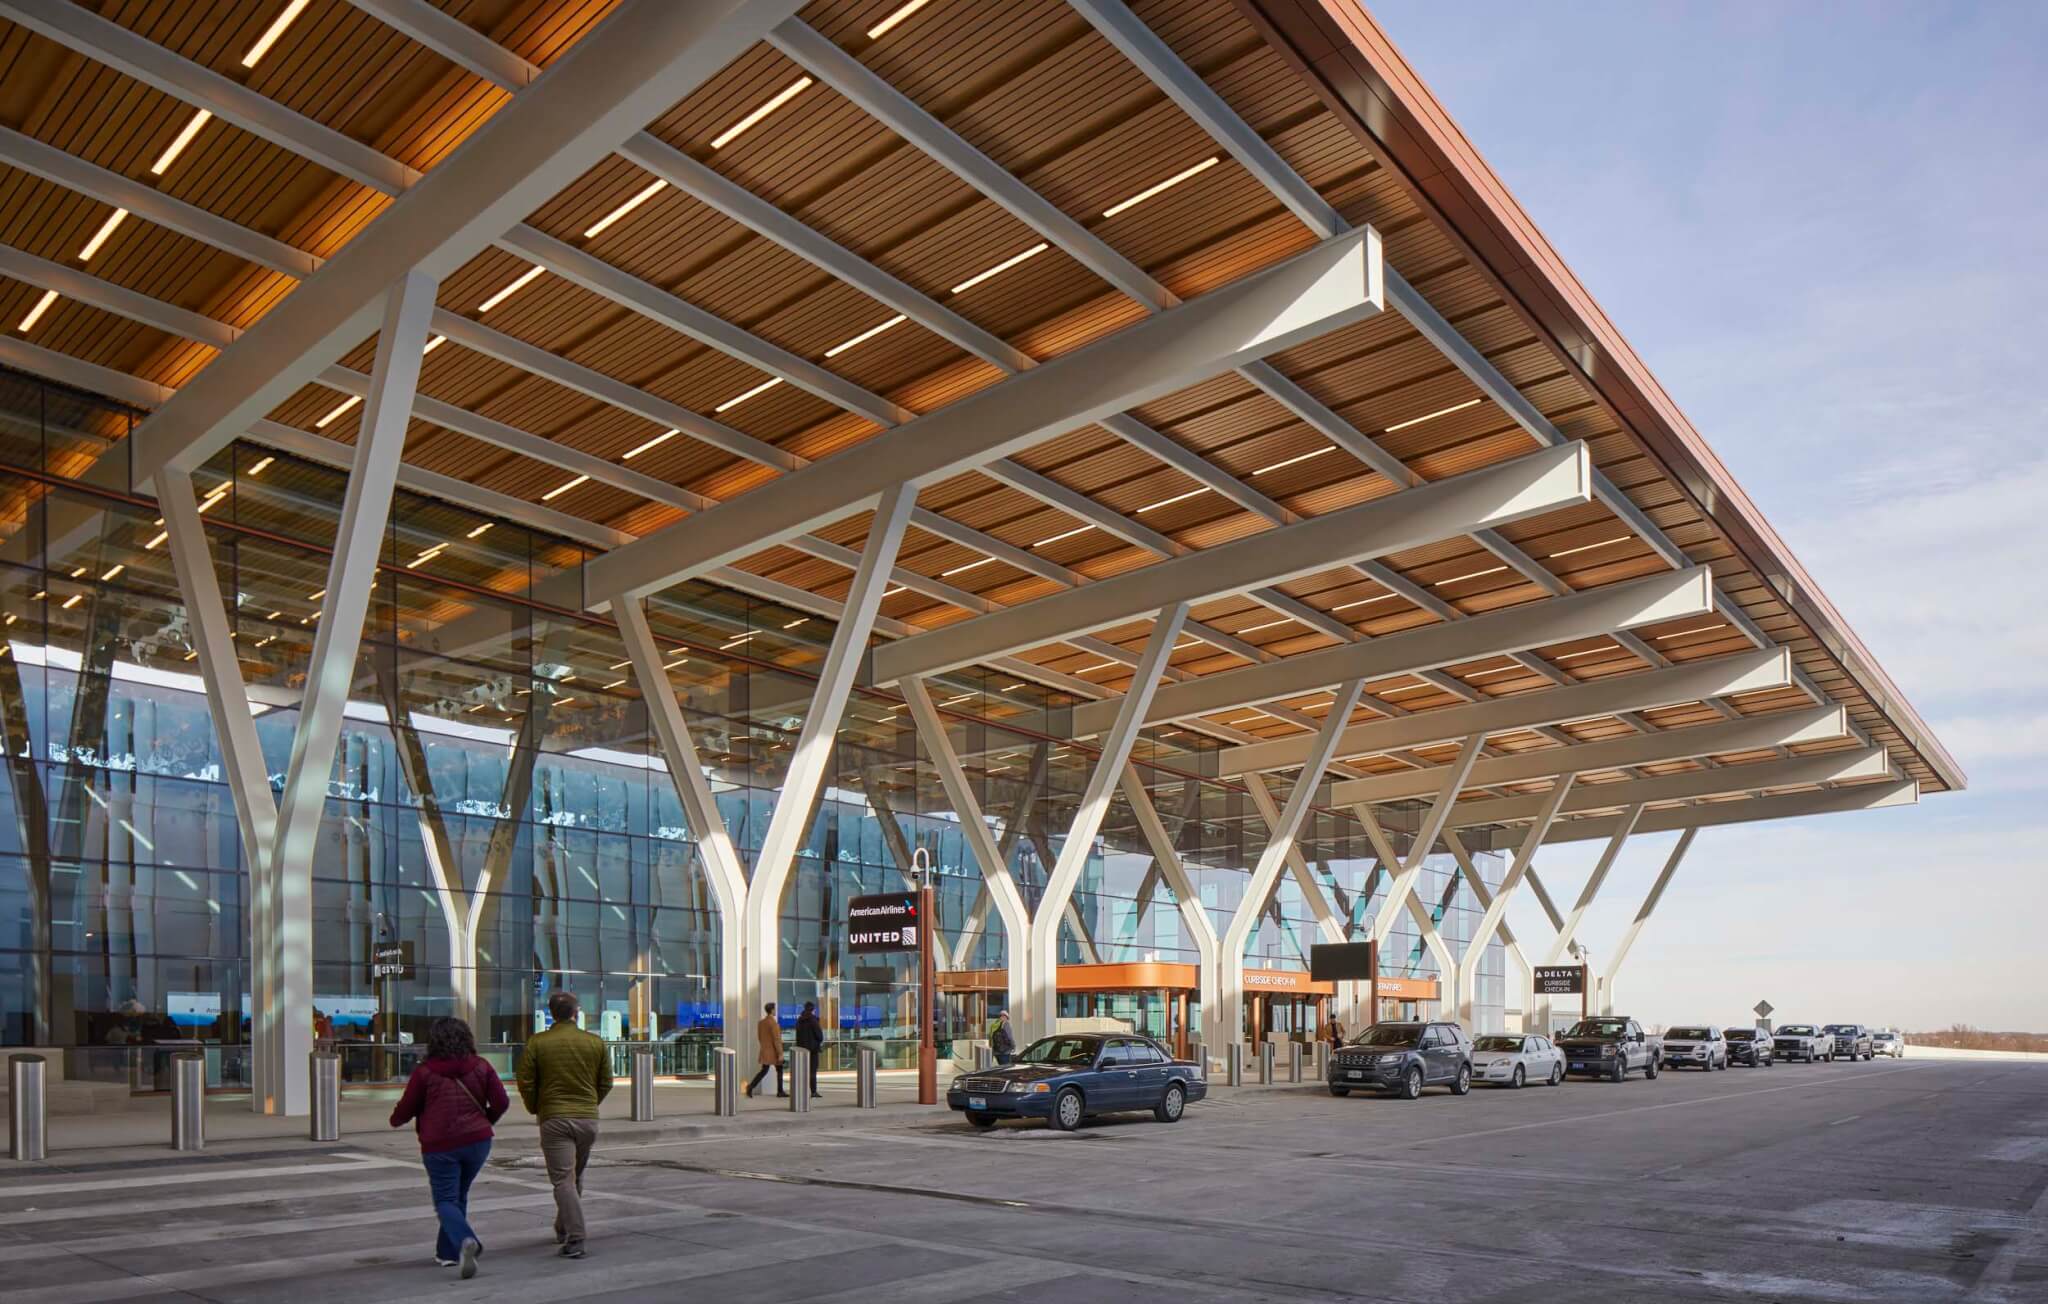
(1750, 733)
(1845, 766)
(634, 66)
(1265, 876)
(1468, 983)
(1743, 672)
(1312, 293)
(1791, 805)
(1648, 908)
(1468, 968)
(1506, 491)
(1401, 887)
(1328, 922)
(1669, 596)
(997, 883)
(1065, 873)
(1568, 926)
(790, 821)
(1193, 914)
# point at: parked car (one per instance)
(1804, 1042)
(1751, 1046)
(1517, 1058)
(1888, 1043)
(1402, 1059)
(1852, 1040)
(1610, 1046)
(1075, 1076)
(1698, 1046)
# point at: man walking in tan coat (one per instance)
(769, 1033)
(563, 1074)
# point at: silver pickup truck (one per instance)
(1612, 1047)
(1803, 1042)
(1851, 1040)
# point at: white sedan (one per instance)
(1510, 1061)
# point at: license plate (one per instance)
(1355, 1073)
(977, 1102)
(1578, 1064)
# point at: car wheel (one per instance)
(982, 1121)
(1171, 1105)
(1516, 1081)
(1411, 1084)
(1066, 1110)
(1650, 1071)
(1462, 1084)
(1340, 1091)
(1556, 1074)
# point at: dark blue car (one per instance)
(1074, 1076)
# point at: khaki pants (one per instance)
(565, 1146)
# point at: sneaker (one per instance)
(572, 1249)
(470, 1249)
(440, 1262)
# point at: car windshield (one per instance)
(1740, 1034)
(1687, 1034)
(1796, 1030)
(1509, 1044)
(1598, 1028)
(1061, 1050)
(1389, 1034)
(1883, 1036)
(1841, 1027)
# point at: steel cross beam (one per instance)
(1405, 873)
(1506, 491)
(1794, 805)
(1088, 815)
(1568, 927)
(1468, 984)
(1496, 911)
(1643, 913)
(1194, 915)
(1845, 766)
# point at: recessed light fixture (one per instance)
(1487, 674)
(270, 34)
(892, 592)
(1696, 629)
(1363, 602)
(736, 642)
(213, 499)
(881, 29)
(1588, 547)
(1253, 629)
(1406, 688)
(775, 101)
(800, 620)
(433, 344)
(865, 336)
(639, 198)
(1068, 534)
(118, 568)
(99, 237)
(1100, 665)
(1001, 267)
(1431, 416)
(655, 442)
(153, 543)
(1573, 656)
(620, 665)
(738, 399)
(524, 279)
(261, 466)
(614, 684)
(1168, 502)
(961, 570)
(339, 410)
(178, 143)
(79, 572)
(1469, 575)
(35, 314)
(73, 601)
(478, 532)
(1327, 448)
(316, 596)
(1165, 185)
(563, 488)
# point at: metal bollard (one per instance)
(800, 1081)
(1200, 1055)
(864, 1061)
(323, 1070)
(984, 1059)
(1233, 1065)
(1294, 1061)
(28, 1122)
(188, 1102)
(725, 1079)
(643, 1086)
(1266, 1078)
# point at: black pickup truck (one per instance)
(1611, 1047)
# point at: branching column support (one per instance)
(1495, 913)
(1568, 927)
(1404, 873)
(1649, 906)
(1043, 1012)
(1193, 914)
(279, 834)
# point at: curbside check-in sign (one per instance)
(882, 923)
(1560, 979)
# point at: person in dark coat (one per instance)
(1003, 1042)
(451, 1100)
(810, 1035)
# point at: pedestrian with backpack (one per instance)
(451, 1099)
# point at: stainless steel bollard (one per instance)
(1294, 1049)
(984, 1059)
(188, 1102)
(1233, 1065)
(1266, 1063)
(643, 1086)
(28, 1119)
(725, 1082)
(1200, 1055)
(800, 1081)
(323, 1070)
(864, 1061)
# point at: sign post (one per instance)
(898, 922)
(1763, 1012)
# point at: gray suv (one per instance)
(1403, 1058)
(1852, 1040)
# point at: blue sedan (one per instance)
(1074, 1076)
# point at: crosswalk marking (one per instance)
(198, 1173)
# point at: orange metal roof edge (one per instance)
(1359, 74)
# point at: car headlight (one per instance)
(1606, 1052)
(1039, 1088)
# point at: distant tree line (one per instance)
(1961, 1036)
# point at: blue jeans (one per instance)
(449, 1173)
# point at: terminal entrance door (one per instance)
(1284, 1017)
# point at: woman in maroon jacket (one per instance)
(452, 1099)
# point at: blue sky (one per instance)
(1825, 229)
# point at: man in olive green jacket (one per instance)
(563, 1074)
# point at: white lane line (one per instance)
(200, 1172)
(1852, 1118)
(1644, 1109)
(189, 1233)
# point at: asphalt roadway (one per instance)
(1911, 1181)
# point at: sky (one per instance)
(1822, 227)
